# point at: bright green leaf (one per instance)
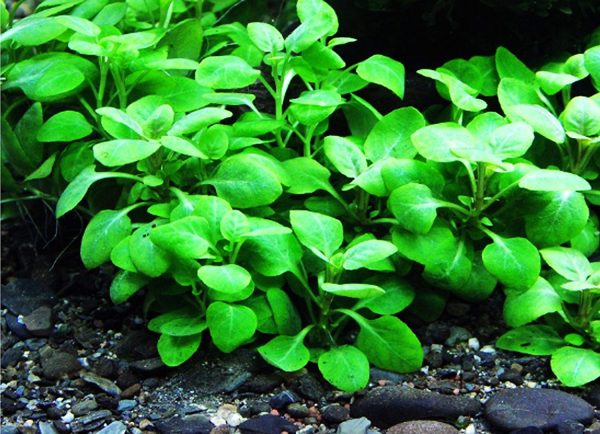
(174, 350)
(185, 237)
(124, 151)
(576, 367)
(102, 234)
(414, 207)
(553, 180)
(367, 252)
(230, 325)
(391, 135)
(65, 126)
(538, 340)
(384, 71)
(569, 263)
(317, 231)
(345, 367)
(226, 72)
(125, 285)
(513, 261)
(287, 353)
(521, 308)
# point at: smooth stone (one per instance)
(148, 367)
(262, 383)
(267, 424)
(309, 387)
(377, 374)
(90, 421)
(192, 424)
(390, 405)
(39, 322)
(47, 428)
(9, 429)
(570, 427)
(23, 296)
(512, 409)
(56, 364)
(297, 410)
(283, 399)
(84, 407)
(592, 396)
(16, 327)
(354, 426)
(335, 413)
(422, 427)
(114, 428)
(11, 356)
(528, 430)
(126, 405)
(458, 334)
(103, 383)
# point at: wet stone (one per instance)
(16, 327)
(267, 424)
(457, 334)
(261, 383)
(125, 379)
(9, 429)
(297, 410)
(283, 399)
(570, 427)
(354, 426)
(90, 421)
(55, 413)
(377, 374)
(192, 424)
(335, 413)
(11, 356)
(47, 428)
(84, 407)
(39, 322)
(56, 364)
(23, 296)
(115, 427)
(103, 383)
(511, 375)
(309, 387)
(422, 427)
(148, 367)
(126, 405)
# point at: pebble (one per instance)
(39, 322)
(90, 421)
(309, 387)
(267, 424)
(131, 391)
(126, 405)
(354, 426)
(377, 375)
(56, 364)
(335, 413)
(148, 366)
(512, 409)
(9, 429)
(115, 427)
(283, 399)
(511, 375)
(46, 428)
(227, 414)
(103, 383)
(387, 406)
(570, 427)
(11, 356)
(192, 424)
(262, 383)
(297, 410)
(23, 296)
(474, 344)
(457, 334)
(422, 427)
(84, 407)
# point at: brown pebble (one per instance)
(516, 367)
(221, 429)
(146, 423)
(274, 412)
(131, 391)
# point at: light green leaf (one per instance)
(78, 25)
(428, 248)
(538, 340)
(521, 308)
(317, 19)
(102, 234)
(125, 285)
(307, 176)
(124, 151)
(366, 253)
(553, 82)
(171, 64)
(384, 71)
(182, 146)
(182, 322)
(391, 135)
(449, 267)
(414, 207)
(436, 142)
(234, 226)
(266, 37)
(285, 315)
(480, 284)
(213, 142)
(569, 263)
(553, 180)
(513, 261)
(581, 116)
(399, 294)
(120, 256)
(230, 325)
(34, 31)
(199, 119)
(514, 92)
(120, 117)
(287, 353)
(575, 367)
(65, 126)
(353, 290)
(147, 257)
(512, 140)
(540, 119)
(508, 65)
(592, 63)
(318, 232)
(185, 237)
(44, 170)
(226, 72)
(345, 156)
(345, 367)
(371, 180)
(228, 278)
(174, 350)
(314, 106)
(77, 189)
(588, 240)
(398, 172)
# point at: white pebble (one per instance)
(470, 429)
(474, 344)
(68, 418)
(488, 349)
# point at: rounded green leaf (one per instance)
(345, 156)
(273, 255)
(479, 285)
(185, 237)
(125, 285)
(147, 257)
(182, 322)
(384, 71)
(229, 278)
(513, 261)
(317, 19)
(569, 263)
(226, 72)
(314, 106)
(266, 37)
(77, 189)
(581, 116)
(399, 294)
(182, 146)
(366, 253)
(508, 65)
(353, 290)
(64, 127)
(537, 340)
(234, 225)
(307, 175)
(213, 142)
(318, 231)
(120, 117)
(120, 256)
(230, 325)
(285, 315)
(553, 180)
(524, 307)
(553, 82)
(345, 367)
(592, 62)
(575, 367)
(391, 135)
(398, 172)
(414, 207)
(102, 234)
(174, 350)
(540, 119)
(124, 151)
(436, 142)
(199, 119)
(287, 353)
(512, 140)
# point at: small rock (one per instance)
(84, 407)
(570, 427)
(192, 424)
(309, 387)
(9, 429)
(422, 427)
(9, 405)
(267, 424)
(221, 429)
(56, 364)
(306, 430)
(23, 296)
(103, 383)
(105, 368)
(35, 344)
(114, 428)
(297, 410)
(54, 413)
(90, 421)
(11, 356)
(227, 414)
(126, 405)
(39, 322)
(377, 374)
(46, 428)
(512, 409)
(474, 344)
(283, 399)
(354, 426)
(126, 379)
(592, 396)
(261, 383)
(528, 430)
(512, 376)
(16, 326)
(136, 345)
(387, 406)
(335, 413)
(457, 334)
(131, 391)
(68, 417)
(148, 367)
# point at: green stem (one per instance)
(103, 63)
(307, 140)
(498, 195)
(120, 84)
(480, 194)
(199, 7)
(471, 175)
(13, 10)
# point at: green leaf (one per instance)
(125, 285)
(449, 267)
(553, 180)
(569, 263)
(228, 278)
(388, 343)
(171, 64)
(226, 72)
(460, 93)
(317, 19)
(230, 325)
(287, 353)
(120, 117)
(182, 146)
(26, 132)
(399, 172)
(524, 307)
(199, 119)
(174, 350)
(558, 218)
(285, 315)
(353, 290)
(102, 234)
(345, 156)
(436, 142)
(345, 367)
(234, 226)
(147, 257)
(185, 237)
(314, 106)
(588, 240)
(266, 37)
(213, 142)
(307, 176)
(65, 126)
(363, 254)
(514, 92)
(33, 31)
(540, 119)
(244, 183)
(414, 207)
(124, 151)
(399, 294)
(512, 140)
(581, 116)
(513, 261)
(371, 180)
(384, 71)
(480, 284)
(553, 82)
(77, 189)
(592, 63)
(537, 340)
(78, 25)
(430, 248)
(159, 121)
(182, 322)
(575, 367)
(508, 65)
(120, 256)
(391, 135)
(44, 170)
(318, 232)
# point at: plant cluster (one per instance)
(251, 219)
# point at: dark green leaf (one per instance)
(102, 234)
(125, 285)
(185, 237)
(65, 126)
(285, 315)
